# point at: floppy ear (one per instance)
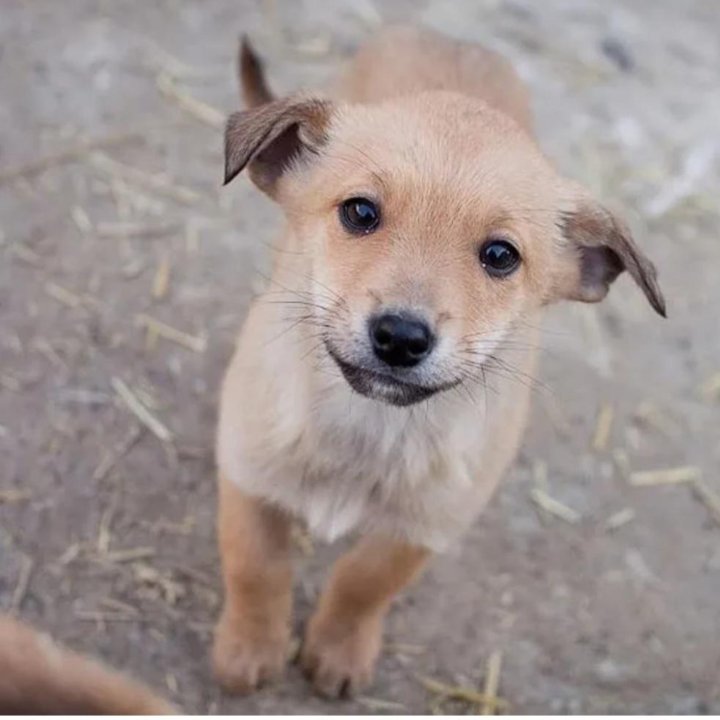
(603, 247)
(270, 137)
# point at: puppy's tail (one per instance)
(254, 89)
(39, 678)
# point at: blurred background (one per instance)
(125, 272)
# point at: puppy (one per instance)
(374, 386)
(39, 678)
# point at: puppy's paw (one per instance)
(339, 658)
(246, 657)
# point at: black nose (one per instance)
(400, 340)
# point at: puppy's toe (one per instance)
(243, 662)
(338, 682)
(240, 669)
(340, 664)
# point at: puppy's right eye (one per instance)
(359, 215)
(499, 257)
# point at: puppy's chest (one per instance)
(389, 449)
(373, 462)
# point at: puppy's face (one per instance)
(433, 226)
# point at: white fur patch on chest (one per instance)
(332, 511)
(363, 465)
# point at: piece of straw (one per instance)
(23, 584)
(70, 154)
(62, 295)
(161, 281)
(133, 404)
(620, 518)
(109, 460)
(665, 476)
(13, 496)
(457, 692)
(192, 106)
(602, 428)
(709, 498)
(130, 555)
(492, 683)
(160, 184)
(555, 507)
(161, 329)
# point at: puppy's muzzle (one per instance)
(390, 367)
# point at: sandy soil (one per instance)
(106, 531)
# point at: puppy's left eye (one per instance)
(499, 257)
(360, 215)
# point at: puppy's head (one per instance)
(432, 226)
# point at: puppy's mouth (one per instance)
(384, 386)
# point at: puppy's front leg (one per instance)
(253, 633)
(344, 636)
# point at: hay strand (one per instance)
(27, 170)
(554, 507)
(458, 692)
(161, 280)
(603, 427)
(160, 184)
(14, 496)
(620, 518)
(665, 476)
(23, 584)
(167, 332)
(192, 106)
(492, 683)
(709, 498)
(133, 404)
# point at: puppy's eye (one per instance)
(360, 215)
(500, 258)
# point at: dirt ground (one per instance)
(111, 212)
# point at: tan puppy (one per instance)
(375, 384)
(39, 678)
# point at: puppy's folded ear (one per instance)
(270, 137)
(601, 247)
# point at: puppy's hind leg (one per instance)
(253, 634)
(344, 636)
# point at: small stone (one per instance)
(609, 672)
(618, 54)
